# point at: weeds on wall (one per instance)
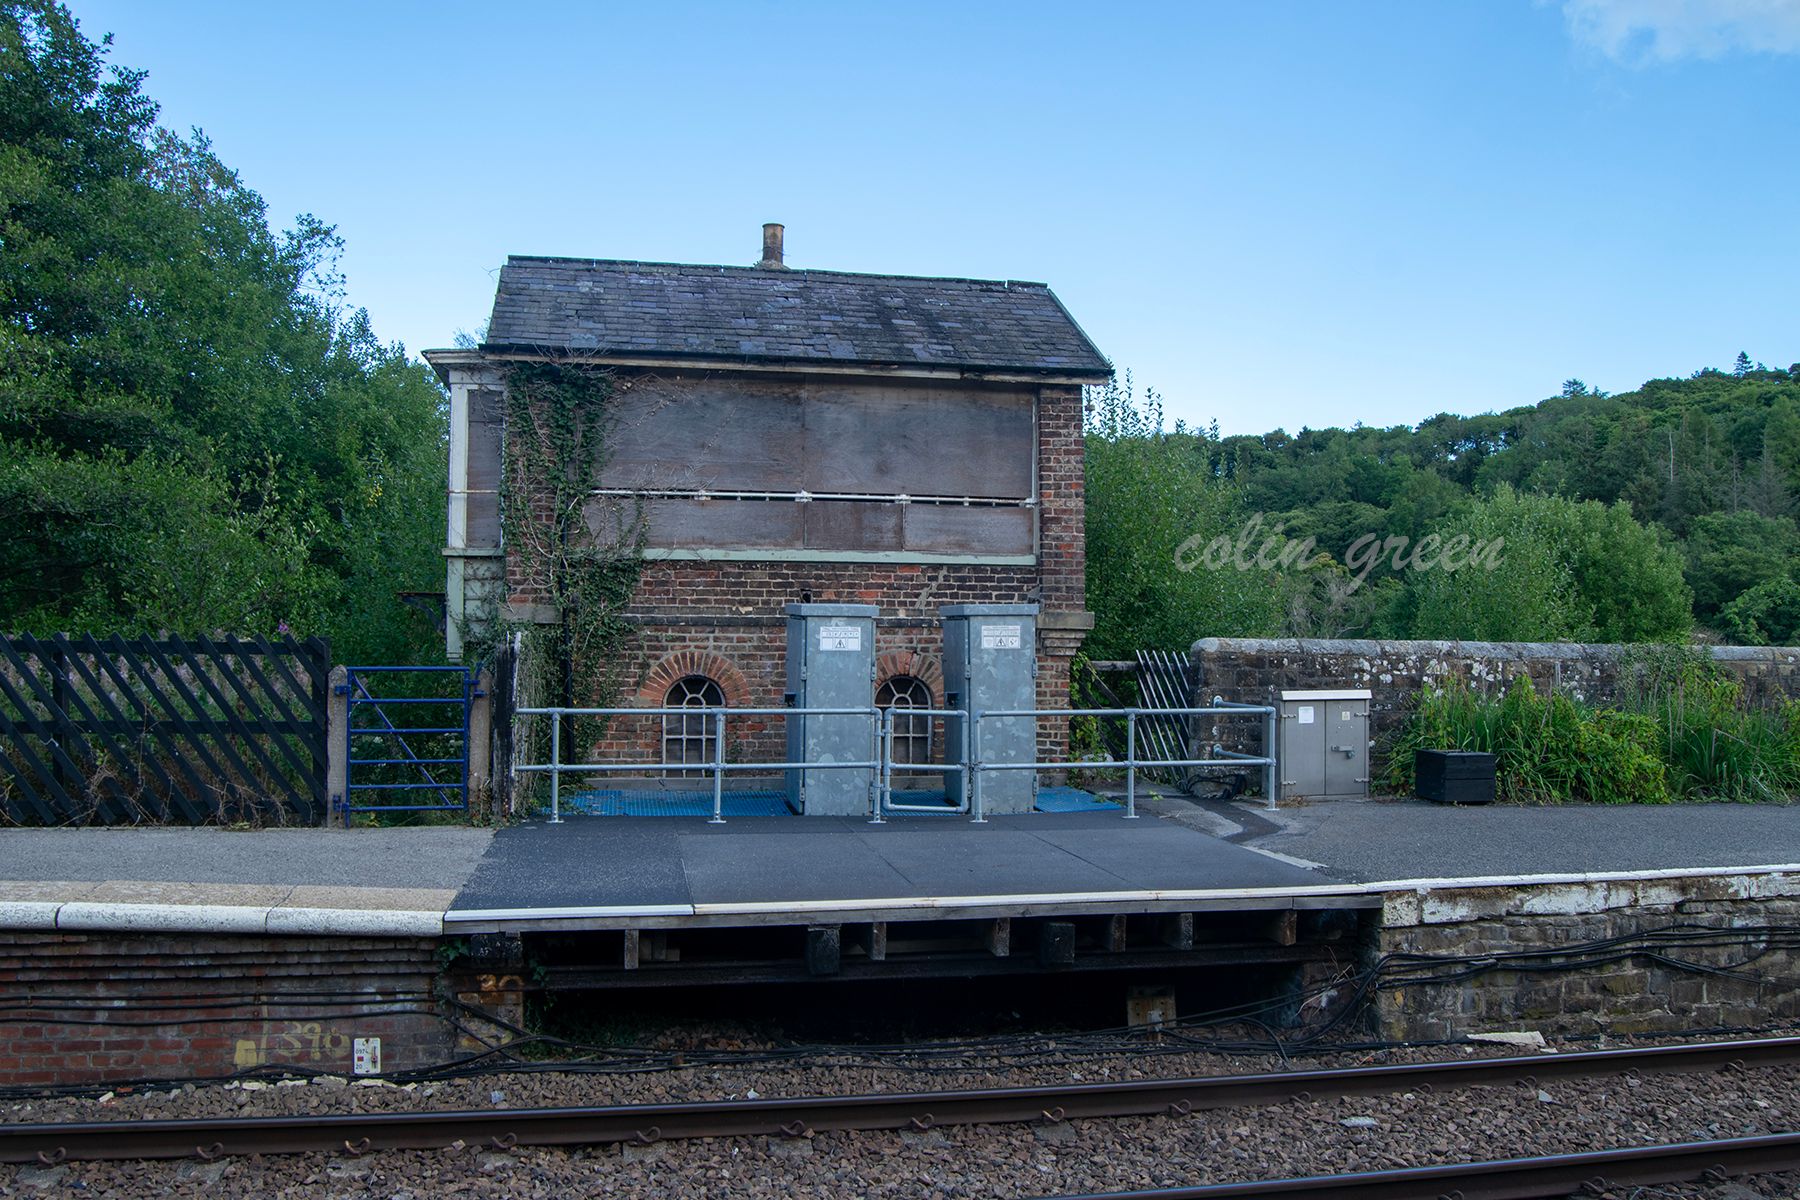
(579, 554)
(1681, 732)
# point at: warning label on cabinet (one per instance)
(840, 637)
(1000, 637)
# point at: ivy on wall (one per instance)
(576, 553)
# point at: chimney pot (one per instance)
(771, 255)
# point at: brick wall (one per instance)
(727, 614)
(1543, 927)
(102, 1008)
(1253, 670)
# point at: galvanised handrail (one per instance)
(717, 765)
(1131, 761)
(971, 767)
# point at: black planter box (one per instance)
(1454, 776)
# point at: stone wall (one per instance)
(1536, 966)
(1257, 670)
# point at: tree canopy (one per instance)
(1630, 517)
(195, 434)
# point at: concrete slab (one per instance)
(427, 856)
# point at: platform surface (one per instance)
(1398, 840)
(1200, 854)
(772, 861)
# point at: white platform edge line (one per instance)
(91, 916)
(459, 916)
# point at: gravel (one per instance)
(1324, 1136)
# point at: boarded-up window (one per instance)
(779, 465)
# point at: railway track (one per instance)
(51, 1143)
(1552, 1175)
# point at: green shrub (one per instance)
(1681, 731)
(1546, 751)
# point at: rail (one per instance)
(211, 1137)
(1131, 762)
(717, 765)
(970, 763)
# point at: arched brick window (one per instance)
(912, 734)
(689, 738)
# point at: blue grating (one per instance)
(625, 802)
(643, 802)
(1069, 799)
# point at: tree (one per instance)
(1742, 366)
(1565, 571)
(1730, 553)
(195, 435)
(1153, 507)
(1766, 615)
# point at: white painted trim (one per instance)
(91, 916)
(163, 918)
(466, 916)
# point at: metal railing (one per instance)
(969, 769)
(1131, 762)
(717, 765)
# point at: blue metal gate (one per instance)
(407, 739)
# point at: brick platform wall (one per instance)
(106, 1008)
(1545, 923)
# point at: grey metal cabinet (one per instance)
(830, 664)
(990, 665)
(1325, 744)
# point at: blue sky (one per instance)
(1277, 214)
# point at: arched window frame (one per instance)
(912, 734)
(689, 738)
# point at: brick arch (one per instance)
(922, 667)
(679, 665)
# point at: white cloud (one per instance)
(1664, 30)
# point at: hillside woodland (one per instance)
(1652, 515)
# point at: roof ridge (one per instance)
(784, 273)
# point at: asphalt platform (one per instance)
(603, 870)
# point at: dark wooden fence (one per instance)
(173, 730)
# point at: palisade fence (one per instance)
(165, 730)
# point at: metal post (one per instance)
(718, 817)
(971, 748)
(884, 774)
(1272, 770)
(556, 766)
(1131, 764)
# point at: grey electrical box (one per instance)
(990, 665)
(1325, 744)
(830, 664)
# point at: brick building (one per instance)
(794, 435)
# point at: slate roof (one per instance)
(675, 312)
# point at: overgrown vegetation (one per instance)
(577, 553)
(1631, 518)
(195, 433)
(1679, 732)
